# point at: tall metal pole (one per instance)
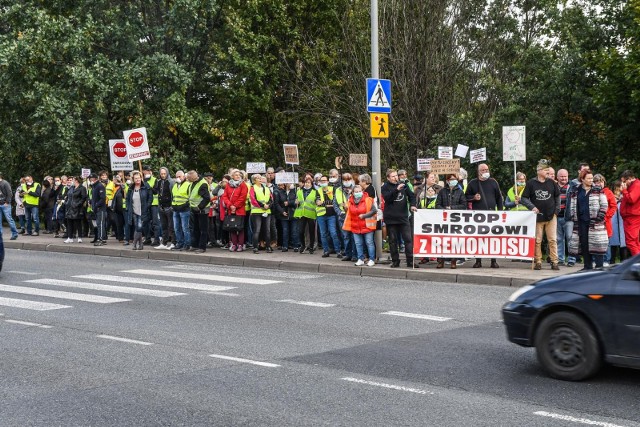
(375, 142)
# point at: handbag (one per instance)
(233, 223)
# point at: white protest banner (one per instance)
(478, 155)
(474, 234)
(85, 173)
(137, 144)
(424, 165)
(462, 150)
(287, 178)
(291, 154)
(445, 152)
(445, 166)
(256, 167)
(514, 143)
(119, 157)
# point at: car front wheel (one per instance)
(567, 347)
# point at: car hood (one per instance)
(584, 283)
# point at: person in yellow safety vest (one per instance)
(30, 192)
(261, 202)
(153, 226)
(199, 202)
(306, 212)
(512, 201)
(326, 217)
(426, 197)
(181, 212)
(109, 187)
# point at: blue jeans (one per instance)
(6, 211)
(31, 212)
(328, 229)
(347, 239)
(565, 229)
(289, 233)
(181, 227)
(362, 239)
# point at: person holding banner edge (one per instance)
(483, 194)
(451, 197)
(396, 217)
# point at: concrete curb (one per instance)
(382, 271)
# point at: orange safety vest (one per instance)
(370, 223)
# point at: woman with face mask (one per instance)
(512, 201)
(361, 221)
(233, 203)
(76, 198)
(451, 197)
(341, 200)
(306, 214)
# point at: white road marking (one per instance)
(127, 340)
(108, 288)
(20, 322)
(226, 294)
(31, 305)
(59, 294)
(309, 303)
(391, 386)
(418, 316)
(26, 273)
(238, 359)
(212, 277)
(575, 420)
(240, 270)
(156, 282)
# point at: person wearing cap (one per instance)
(6, 195)
(153, 227)
(99, 207)
(542, 196)
(30, 192)
(418, 180)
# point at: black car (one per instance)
(1, 252)
(578, 321)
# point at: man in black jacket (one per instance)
(396, 217)
(163, 190)
(6, 195)
(99, 206)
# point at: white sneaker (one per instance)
(79, 240)
(606, 264)
(359, 263)
(160, 246)
(371, 263)
(69, 241)
(171, 246)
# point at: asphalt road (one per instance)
(163, 343)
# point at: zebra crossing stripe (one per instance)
(212, 277)
(30, 305)
(155, 282)
(59, 294)
(107, 288)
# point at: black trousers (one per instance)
(310, 225)
(199, 235)
(74, 226)
(404, 230)
(261, 223)
(166, 223)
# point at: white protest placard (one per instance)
(462, 150)
(137, 144)
(424, 165)
(474, 234)
(287, 178)
(256, 167)
(85, 173)
(514, 143)
(291, 156)
(478, 155)
(445, 152)
(119, 156)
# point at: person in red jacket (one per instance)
(233, 203)
(361, 220)
(630, 210)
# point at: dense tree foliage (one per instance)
(221, 82)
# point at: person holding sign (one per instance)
(514, 195)
(542, 196)
(396, 217)
(451, 197)
(483, 194)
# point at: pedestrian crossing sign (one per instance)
(379, 125)
(378, 96)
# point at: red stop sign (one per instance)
(136, 139)
(119, 149)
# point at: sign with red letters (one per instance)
(119, 156)
(474, 234)
(137, 144)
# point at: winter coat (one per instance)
(146, 199)
(74, 202)
(598, 238)
(397, 203)
(234, 196)
(617, 227)
(353, 222)
(454, 198)
(281, 196)
(611, 210)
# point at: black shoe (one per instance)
(22, 231)
(154, 244)
(177, 248)
(147, 242)
(325, 255)
(93, 241)
(269, 250)
(494, 264)
(255, 250)
(413, 265)
(57, 235)
(302, 249)
(395, 264)
(199, 251)
(347, 258)
(296, 249)
(478, 264)
(311, 251)
(186, 248)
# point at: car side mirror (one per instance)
(635, 271)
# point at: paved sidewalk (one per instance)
(510, 273)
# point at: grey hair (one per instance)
(166, 170)
(463, 173)
(365, 177)
(521, 175)
(255, 176)
(402, 172)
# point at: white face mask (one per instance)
(57, 182)
(348, 183)
(333, 180)
(29, 182)
(128, 182)
(486, 175)
(178, 180)
(147, 176)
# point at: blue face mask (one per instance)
(453, 183)
(357, 196)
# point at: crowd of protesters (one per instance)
(336, 214)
